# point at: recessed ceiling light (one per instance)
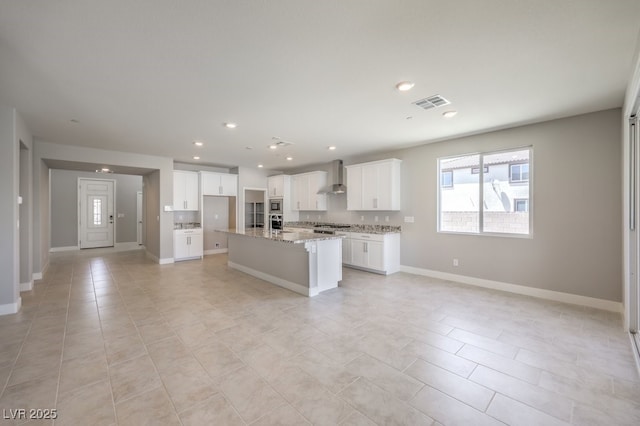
(198, 143)
(260, 166)
(409, 118)
(405, 86)
(230, 125)
(289, 158)
(248, 147)
(195, 157)
(106, 169)
(449, 114)
(331, 148)
(273, 146)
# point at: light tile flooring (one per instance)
(115, 339)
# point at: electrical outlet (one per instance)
(409, 219)
(386, 218)
(319, 217)
(307, 216)
(455, 262)
(217, 245)
(362, 218)
(375, 218)
(215, 216)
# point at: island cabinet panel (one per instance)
(374, 186)
(304, 191)
(378, 253)
(346, 246)
(213, 183)
(185, 190)
(304, 262)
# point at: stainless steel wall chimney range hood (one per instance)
(337, 170)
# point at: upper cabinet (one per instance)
(277, 186)
(304, 191)
(185, 190)
(219, 184)
(374, 185)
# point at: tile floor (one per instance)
(115, 339)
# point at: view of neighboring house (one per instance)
(499, 182)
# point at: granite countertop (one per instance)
(186, 225)
(287, 237)
(365, 229)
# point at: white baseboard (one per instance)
(11, 308)
(69, 248)
(28, 286)
(39, 275)
(305, 291)
(574, 299)
(215, 251)
(163, 261)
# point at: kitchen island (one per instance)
(303, 262)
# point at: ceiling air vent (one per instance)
(432, 102)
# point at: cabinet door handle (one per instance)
(375, 203)
(366, 247)
(298, 205)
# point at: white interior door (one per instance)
(139, 217)
(96, 213)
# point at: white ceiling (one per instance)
(152, 76)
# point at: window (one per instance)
(446, 179)
(97, 211)
(519, 172)
(491, 195)
(520, 205)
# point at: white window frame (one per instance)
(511, 179)
(442, 185)
(481, 182)
(520, 200)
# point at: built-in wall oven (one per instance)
(275, 206)
(275, 222)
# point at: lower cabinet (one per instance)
(373, 252)
(187, 244)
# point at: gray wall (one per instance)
(15, 244)
(64, 206)
(576, 207)
(26, 208)
(159, 237)
(215, 215)
(9, 257)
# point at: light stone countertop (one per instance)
(286, 237)
(364, 229)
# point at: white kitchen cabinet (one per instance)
(372, 252)
(278, 185)
(187, 244)
(374, 185)
(304, 191)
(219, 184)
(185, 190)
(346, 246)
